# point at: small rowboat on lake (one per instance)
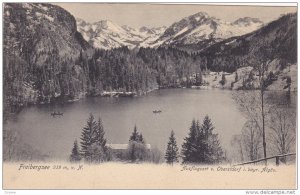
(157, 111)
(57, 114)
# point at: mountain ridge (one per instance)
(105, 34)
(193, 29)
(201, 27)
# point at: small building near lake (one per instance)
(119, 151)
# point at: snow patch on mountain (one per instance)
(200, 26)
(190, 30)
(107, 35)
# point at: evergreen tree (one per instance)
(199, 145)
(99, 135)
(100, 142)
(75, 155)
(212, 148)
(188, 147)
(137, 151)
(202, 145)
(136, 148)
(93, 143)
(207, 127)
(87, 137)
(172, 150)
(135, 135)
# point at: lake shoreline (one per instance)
(121, 94)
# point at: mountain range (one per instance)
(105, 34)
(193, 29)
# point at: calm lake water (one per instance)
(55, 136)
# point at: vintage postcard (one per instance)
(149, 96)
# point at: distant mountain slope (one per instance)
(201, 27)
(277, 40)
(105, 34)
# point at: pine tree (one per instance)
(93, 143)
(207, 127)
(99, 135)
(100, 142)
(212, 148)
(136, 147)
(87, 137)
(202, 145)
(75, 155)
(188, 147)
(199, 145)
(172, 150)
(135, 135)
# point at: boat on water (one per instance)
(157, 111)
(56, 114)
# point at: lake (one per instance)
(55, 136)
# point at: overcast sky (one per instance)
(154, 15)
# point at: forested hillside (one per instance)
(41, 44)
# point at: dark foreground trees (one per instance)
(93, 147)
(202, 145)
(75, 155)
(171, 155)
(93, 144)
(137, 150)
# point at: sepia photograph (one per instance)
(149, 96)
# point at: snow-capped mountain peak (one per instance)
(106, 34)
(200, 16)
(202, 27)
(192, 29)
